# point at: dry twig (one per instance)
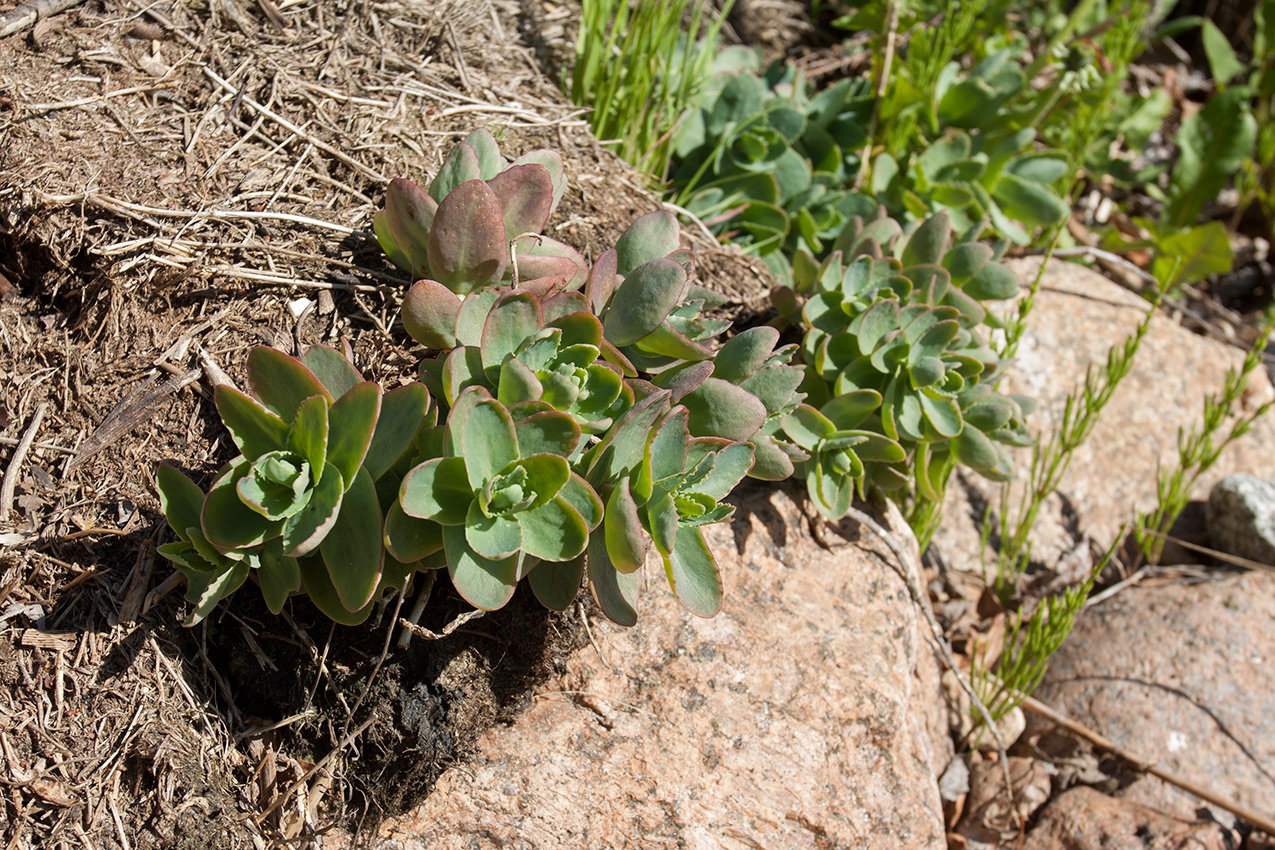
(15, 462)
(28, 13)
(1266, 824)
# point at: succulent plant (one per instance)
(837, 449)
(584, 417)
(651, 310)
(479, 225)
(660, 486)
(983, 166)
(505, 495)
(765, 161)
(892, 346)
(751, 389)
(299, 508)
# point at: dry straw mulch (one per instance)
(179, 181)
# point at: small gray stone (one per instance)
(1242, 517)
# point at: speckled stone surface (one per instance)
(1241, 514)
(807, 714)
(1180, 674)
(1084, 819)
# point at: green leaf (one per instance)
(556, 584)
(1223, 63)
(666, 454)
(993, 281)
(514, 318)
(438, 489)
(409, 538)
(693, 574)
(402, 228)
(721, 409)
(928, 243)
(551, 161)
(472, 317)
(226, 521)
(651, 236)
(483, 583)
(331, 367)
(1193, 254)
(554, 531)
(352, 550)
(309, 434)
(943, 413)
(615, 592)
(1033, 204)
(744, 353)
(644, 301)
(305, 530)
(1213, 144)
(493, 538)
(806, 426)
(429, 314)
(624, 445)
(462, 370)
(351, 423)
(180, 499)
(402, 415)
(490, 162)
(281, 382)
(277, 485)
(525, 194)
(775, 387)
(517, 383)
(489, 442)
(546, 475)
(850, 409)
(278, 576)
(551, 432)
(205, 593)
(1039, 168)
(318, 586)
(729, 468)
(622, 530)
(876, 447)
(255, 430)
(972, 448)
(460, 166)
(582, 497)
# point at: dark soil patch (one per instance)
(428, 703)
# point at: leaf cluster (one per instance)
(765, 159)
(570, 420)
(899, 377)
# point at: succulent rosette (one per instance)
(504, 494)
(299, 508)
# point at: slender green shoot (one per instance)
(1030, 640)
(639, 69)
(1052, 455)
(1199, 449)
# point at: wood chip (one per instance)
(60, 641)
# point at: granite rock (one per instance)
(1241, 516)
(808, 714)
(1085, 819)
(1179, 674)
